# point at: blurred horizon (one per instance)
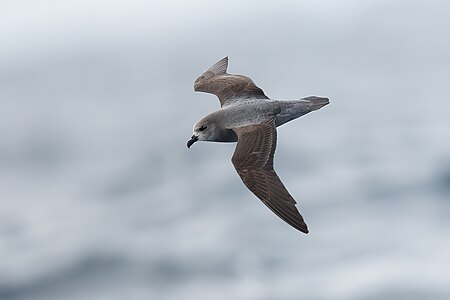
(102, 200)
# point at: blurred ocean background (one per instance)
(101, 199)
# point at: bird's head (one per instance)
(203, 131)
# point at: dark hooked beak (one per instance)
(193, 139)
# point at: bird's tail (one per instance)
(316, 102)
(293, 109)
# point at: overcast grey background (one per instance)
(100, 199)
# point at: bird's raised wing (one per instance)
(253, 161)
(227, 87)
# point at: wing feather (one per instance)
(253, 161)
(227, 87)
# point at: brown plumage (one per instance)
(253, 161)
(249, 117)
(225, 86)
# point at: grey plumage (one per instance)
(249, 117)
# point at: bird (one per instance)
(250, 118)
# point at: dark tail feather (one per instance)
(296, 108)
(317, 102)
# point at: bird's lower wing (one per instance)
(253, 161)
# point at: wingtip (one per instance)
(219, 67)
(303, 228)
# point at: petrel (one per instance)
(247, 116)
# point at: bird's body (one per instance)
(254, 111)
(249, 117)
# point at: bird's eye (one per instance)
(203, 128)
